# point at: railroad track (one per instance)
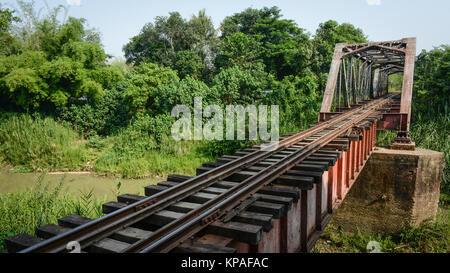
(238, 203)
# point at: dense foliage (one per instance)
(431, 115)
(8, 43)
(285, 48)
(432, 81)
(57, 65)
(187, 46)
(104, 117)
(327, 36)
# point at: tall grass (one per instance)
(23, 212)
(39, 143)
(430, 237)
(433, 133)
(428, 132)
(35, 144)
(171, 157)
(385, 138)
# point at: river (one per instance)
(76, 184)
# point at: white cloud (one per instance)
(74, 2)
(373, 2)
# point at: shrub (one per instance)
(153, 127)
(182, 92)
(237, 86)
(96, 142)
(102, 118)
(224, 147)
(189, 63)
(298, 100)
(132, 144)
(143, 83)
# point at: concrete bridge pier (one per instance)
(396, 188)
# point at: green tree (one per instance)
(159, 42)
(298, 98)
(143, 82)
(59, 64)
(204, 38)
(432, 80)
(170, 41)
(8, 43)
(237, 86)
(238, 49)
(327, 36)
(286, 47)
(182, 93)
(6, 19)
(189, 63)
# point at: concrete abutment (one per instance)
(396, 188)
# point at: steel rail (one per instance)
(95, 230)
(103, 227)
(169, 236)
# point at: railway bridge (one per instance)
(275, 200)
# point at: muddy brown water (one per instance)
(76, 184)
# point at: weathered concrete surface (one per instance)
(396, 188)
(403, 146)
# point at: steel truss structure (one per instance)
(360, 72)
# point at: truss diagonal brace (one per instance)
(332, 78)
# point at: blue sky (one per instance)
(119, 20)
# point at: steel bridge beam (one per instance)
(332, 78)
(408, 81)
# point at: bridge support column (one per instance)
(395, 188)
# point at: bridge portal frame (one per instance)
(384, 58)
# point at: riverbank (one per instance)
(36, 144)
